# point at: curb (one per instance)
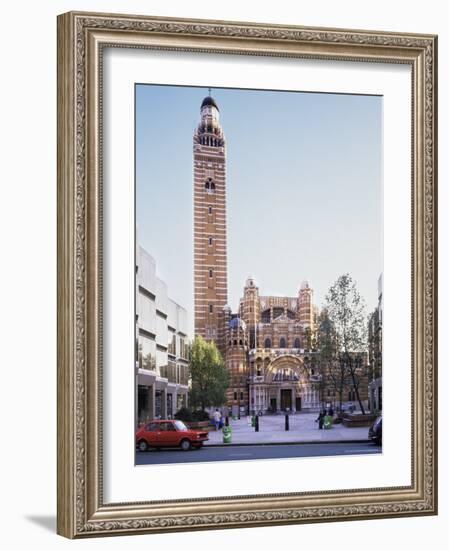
(264, 444)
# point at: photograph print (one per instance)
(259, 274)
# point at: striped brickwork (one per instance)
(210, 243)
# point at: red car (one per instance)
(169, 433)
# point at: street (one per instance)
(252, 452)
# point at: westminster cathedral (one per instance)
(268, 344)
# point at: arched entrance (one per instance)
(289, 386)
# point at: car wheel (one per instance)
(185, 445)
(143, 445)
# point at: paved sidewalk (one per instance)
(303, 429)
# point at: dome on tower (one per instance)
(305, 285)
(237, 323)
(209, 101)
(250, 281)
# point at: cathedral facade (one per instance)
(270, 353)
(268, 344)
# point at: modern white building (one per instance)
(162, 367)
(375, 352)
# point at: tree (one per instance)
(334, 375)
(310, 342)
(347, 314)
(209, 375)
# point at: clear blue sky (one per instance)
(304, 184)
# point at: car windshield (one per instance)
(181, 426)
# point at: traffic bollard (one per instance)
(287, 423)
(227, 421)
(257, 423)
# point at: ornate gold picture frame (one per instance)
(82, 40)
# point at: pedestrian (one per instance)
(320, 419)
(331, 411)
(217, 419)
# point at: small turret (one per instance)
(250, 309)
(305, 305)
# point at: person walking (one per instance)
(320, 419)
(217, 419)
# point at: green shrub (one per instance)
(199, 416)
(184, 414)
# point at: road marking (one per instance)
(240, 454)
(362, 451)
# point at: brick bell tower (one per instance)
(210, 248)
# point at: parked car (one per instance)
(375, 431)
(169, 433)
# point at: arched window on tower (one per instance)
(297, 343)
(282, 343)
(267, 343)
(209, 186)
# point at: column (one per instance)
(151, 401)
(164, 403)
(175, 401)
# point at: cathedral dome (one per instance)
(209, 101)
(237, 323)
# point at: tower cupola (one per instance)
(209, 131)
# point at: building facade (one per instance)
(375, 352)
(270, 352)
(161, 345)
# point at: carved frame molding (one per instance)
(81, 39)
